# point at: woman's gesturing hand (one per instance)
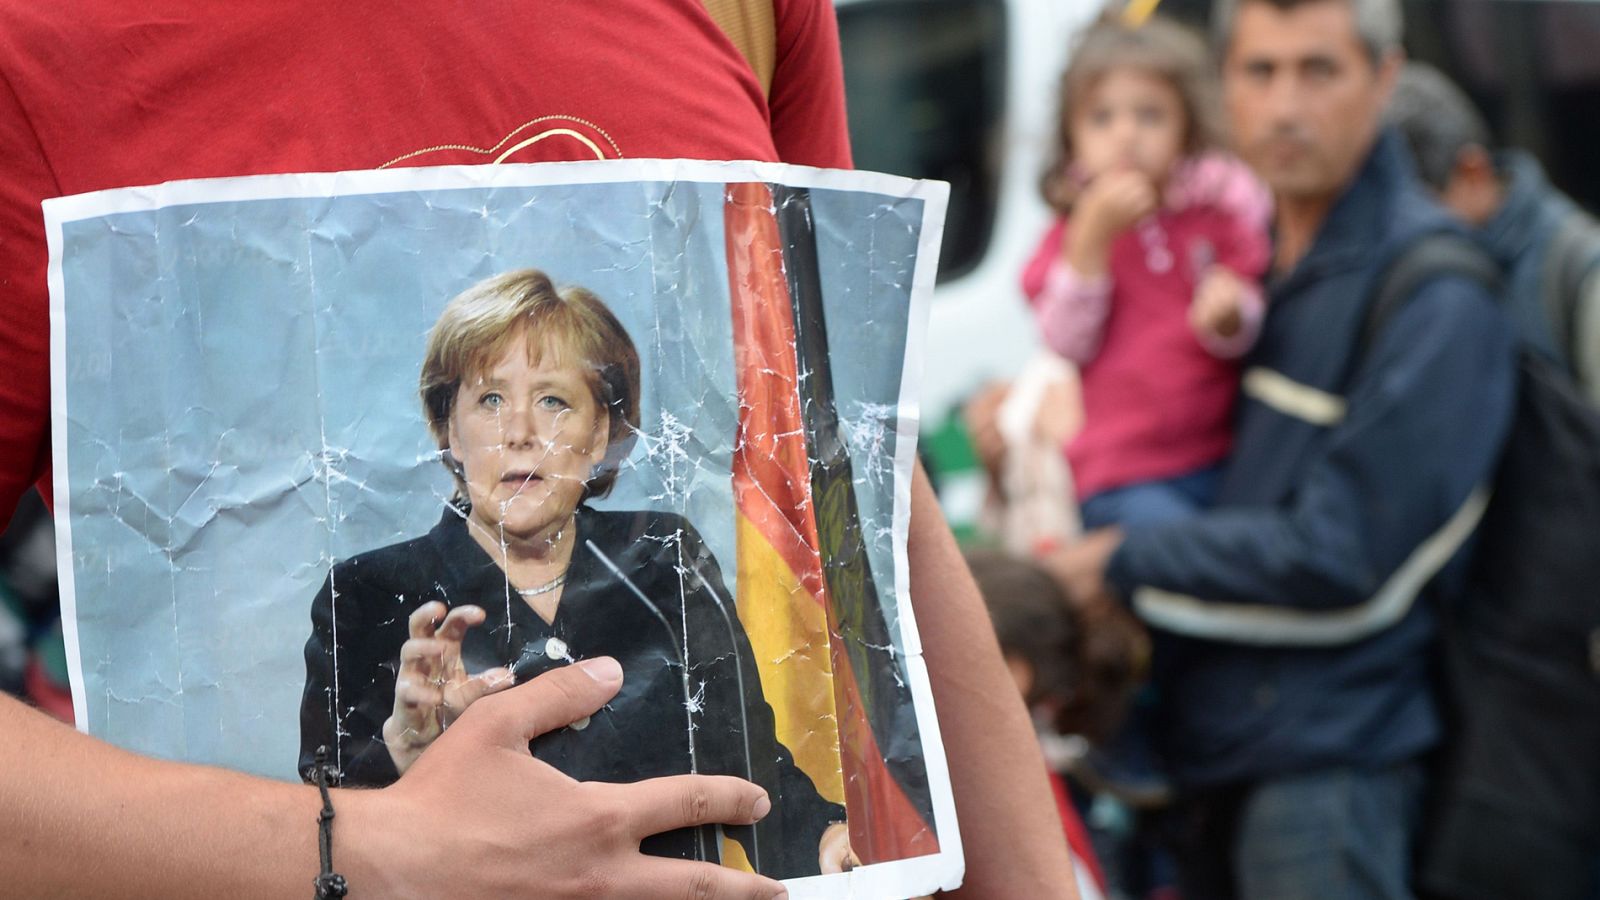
(833, 851)
(432, 687)
(503, 824)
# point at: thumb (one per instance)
(556, 698)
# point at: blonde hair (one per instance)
(570, 323)
(1159, 47)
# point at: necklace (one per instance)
(546, 588)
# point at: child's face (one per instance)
(1130, 120)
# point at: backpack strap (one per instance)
(1431, 256)
(750, 26)
(1574, 254)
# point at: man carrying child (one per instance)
(1298, 703)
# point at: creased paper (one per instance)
(338, 454)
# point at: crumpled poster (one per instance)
(337, 454)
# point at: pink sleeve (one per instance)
(1252, 310)
(1243, 216)
(1246, 205)
(1245, 249)
(1071, 311)
(1243, 206)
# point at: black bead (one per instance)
(331, 887)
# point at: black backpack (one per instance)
(1572, 259)
(1515, 808)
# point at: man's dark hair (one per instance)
(1378, 23)
(1437, 119)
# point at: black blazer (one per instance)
(643, 733)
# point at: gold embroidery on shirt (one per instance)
(550, 132)
(553, 132)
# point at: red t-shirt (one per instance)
(1078, 840)
(98, 94)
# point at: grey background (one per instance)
(241, 408)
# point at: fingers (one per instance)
(834, 854)
(425, 621)
(455, 625)
(1127, 197)
(1217, 301)
(556, 698)
(679, 801)
(422, 619)
(700, 880)
(458, 696)
(430, 680)
(1219, 286)
(1137, 194)
(417, 699)
(837, 860)
(1130, 184)
(424, 660)
(1200, 316)
(434, 651)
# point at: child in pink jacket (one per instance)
(1148, 279)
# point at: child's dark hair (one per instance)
(1089, 663)
(1032, 620)
(1162, 48)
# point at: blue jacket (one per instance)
(1299, 610)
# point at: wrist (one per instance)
(403, 744)
(1088, 252)
(365, 849)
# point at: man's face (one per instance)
(1304, 98)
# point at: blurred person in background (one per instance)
(1298, 699)
(1017, 429)
(33, 662)
(1148, 281)
(1076, 669)
(1516, 810)
(1548, 246)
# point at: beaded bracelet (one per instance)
(330, 884)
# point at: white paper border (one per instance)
(884, 881)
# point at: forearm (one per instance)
(79, 818)
(85, 819)
(1011, 833)
(1389, 494)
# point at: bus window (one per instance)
(925, 81)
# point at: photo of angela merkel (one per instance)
(532, 394)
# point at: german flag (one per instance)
(805, 590)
